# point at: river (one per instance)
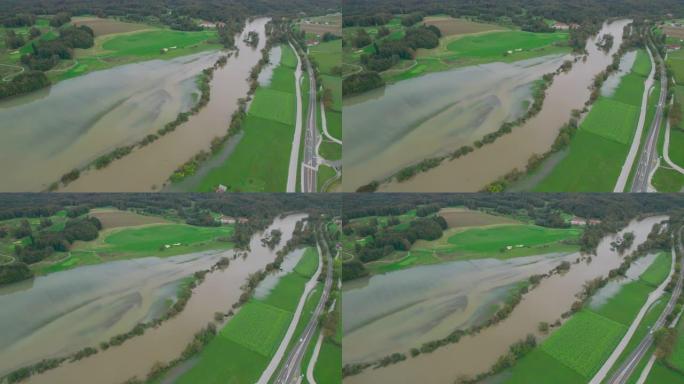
(475, 354)
(135, 357)
(404, 309)
(74, 122)
(148, 168)
(433, 114)
(472, 172)
(47, 133)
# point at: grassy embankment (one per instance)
(600, 146)
(574, 352)
(117, 44)
(667, 179)
(259, 162)
(244, 347)
(328, 55)
(463, 43)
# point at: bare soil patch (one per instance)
(103, 27)
(113, 218)
(452, 27)
(321, 28)
(461, 217)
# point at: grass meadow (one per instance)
(259, 163)
(245, 345)
(600, 146)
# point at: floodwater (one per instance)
(613, 287)
(472, 172)
(400, 310)
(135, 357)
(613, 81)
(148, 168)
(404, 123)
(81, 307)
(46, 134)
(476, 354)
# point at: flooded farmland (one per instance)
(78, 120)
(472, 172)
(75, 121)
(433, 115)
(475, 354)
(148, 168)
(404, 309)
(130, 292)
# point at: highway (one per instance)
(625, 371)
(290, 372)
(648, 159)
(309, 163)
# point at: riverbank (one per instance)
(479, 351)
(220, 291)
(148, 168)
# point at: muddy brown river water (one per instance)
(149, 168)
(402, 145)
(476, 354)
(48, 133)
(136, 356)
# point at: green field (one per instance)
(477, 243)
(495, 239)
(642, 65)
(658, 271)
(334, 120)
(328, 55)
(271, 104)
(308, 264)
(677, 357)
(150, 43)
(676, 61)
(676, 151)
(325, 173)
(119, 49)
(598, 150)
(574, 352)
(538, 364)
(244, 347)
(265, 323)
(584, 342)
(259, 162)
(495, 45)
(668, 180)
(661, 374)
(150, 239)
(330, 150)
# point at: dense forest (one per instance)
(248, 205)
(578, 11)
(613, 210)
(213, 10)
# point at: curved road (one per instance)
(625, 371)
(290, 372)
